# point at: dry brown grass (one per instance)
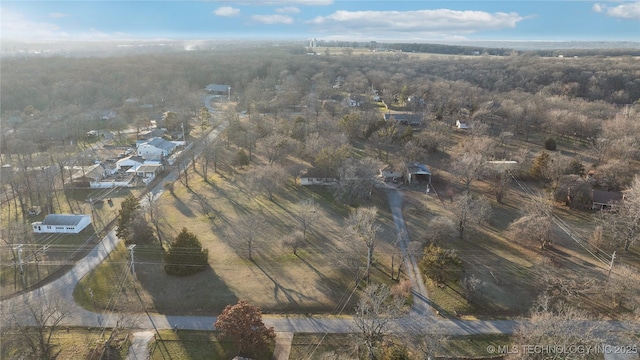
(314, 281)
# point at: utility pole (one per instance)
(133, 267)
(613, 257)
(21, 264)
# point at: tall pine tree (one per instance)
(186, 255)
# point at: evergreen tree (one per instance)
(127, 211)
(242, 159)
(575, 167)
(540, 167)
(550, 144)
(186, 255)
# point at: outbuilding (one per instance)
(416, 172)
(62, 223)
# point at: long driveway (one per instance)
(421, 318)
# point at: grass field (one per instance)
(316, 280)
(343, 346)
(46, 254)
(194, 345)
(71, 343)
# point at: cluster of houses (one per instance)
(145, 165)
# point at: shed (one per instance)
(416, 172)
(62, 223)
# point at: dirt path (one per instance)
(421, 303)
(139, 349)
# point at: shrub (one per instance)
(550, 144)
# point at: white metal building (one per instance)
(62, 223)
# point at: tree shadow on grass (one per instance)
(293, 297)
(203, 293)
(182, 206)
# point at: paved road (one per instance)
(421, 318)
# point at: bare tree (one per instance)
(156, 215)
(441, 229)
(274, 146)
(210, 154)
(535, 224)
(362, 225)
(269, 178)
(468, 167)
(430, 341)
(375, 310)
(472, 287)
(247, 232)
(500, 180)
(41, 316)
(624, 287)
(306, 215)
(356, 179)
(469, 211)
(293, 240)
(557, 324)
(621, 223)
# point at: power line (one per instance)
(595, 252)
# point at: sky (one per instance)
(356, 20)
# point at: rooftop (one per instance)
(217, 87)
(417, 168)
(62, 219)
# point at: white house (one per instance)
(62, 223)
(128, 163)
(148, 172)
(156, 149)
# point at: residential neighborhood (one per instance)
(373, 201)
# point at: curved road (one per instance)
(421, 318)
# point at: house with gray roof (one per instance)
(156, 149)
(404, 118)
(62, 223)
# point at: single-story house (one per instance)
(62, 223)
(156, 149)
(404, 118)
(601, 199)
(218, 89)
(94, 174)
(130, 162)
(149, 170)
(463, 124)
(318, 181)
(416, 172)
(155, 133)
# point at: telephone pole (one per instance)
(133, 266)
(21, 264)
(613, 257)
